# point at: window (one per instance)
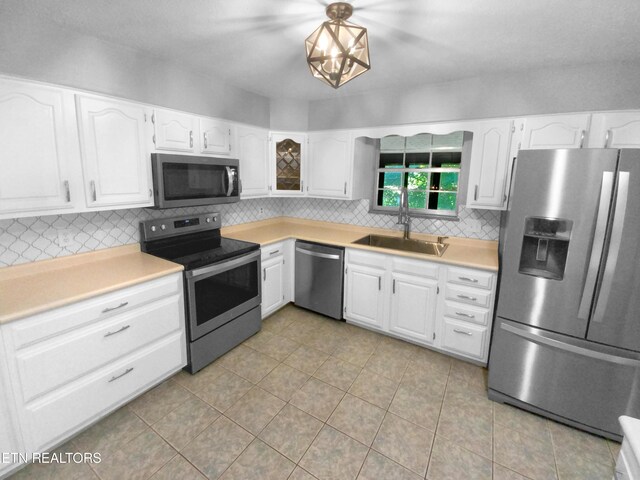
(427, 165)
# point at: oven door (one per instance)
(216, 294)
(182, 181)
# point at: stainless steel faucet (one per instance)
(403, 213)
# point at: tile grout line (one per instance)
(435, 432)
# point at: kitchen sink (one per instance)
(410, 245)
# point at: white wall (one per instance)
(289, 114)
(36, 49)
(571, 89)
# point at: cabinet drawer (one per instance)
(466, 313)
(273, 250)
(473, 296)
(415, 267)
(42, 326)
(56, 416)
(472, 278)
(360, 257)
(464, 338)
(58, 361)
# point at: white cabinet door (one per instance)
(215, 136)
(288, 158)
(413, 307)
(615, 130)
(330, 161)
(365, 293)
(39, 153)
(489, 164)
(253, 153)
(173, 131)
(114, 152)
(555, 131)
(272, 285)
(9, 437)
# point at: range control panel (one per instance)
(169, 227)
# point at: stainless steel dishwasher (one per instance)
(319, 278)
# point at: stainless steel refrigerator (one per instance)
(566, 338)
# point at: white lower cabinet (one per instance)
(10, 441)
(73, 365)
(443, 307)
(464, 338)
(413, 307)
(364, 295)
(277, 276)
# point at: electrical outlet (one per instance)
(475, 225)
(261, 211)
(65, 237)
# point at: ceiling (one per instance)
(258, 45)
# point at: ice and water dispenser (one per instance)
(545, 244)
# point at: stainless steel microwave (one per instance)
(187, 181)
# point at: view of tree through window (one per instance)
(427, 165)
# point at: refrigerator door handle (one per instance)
(567, 347)
(614, 247)
(598, 244)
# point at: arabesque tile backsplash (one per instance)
(36, 238)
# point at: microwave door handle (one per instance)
(614, 247)
(598, 244)
(230, 180)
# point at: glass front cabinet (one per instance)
(288, 164)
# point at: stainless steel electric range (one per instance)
(221, 279)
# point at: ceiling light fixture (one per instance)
(338, 51)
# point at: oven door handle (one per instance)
(222, 266)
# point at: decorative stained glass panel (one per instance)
(288, 171)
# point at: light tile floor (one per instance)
(309, 397)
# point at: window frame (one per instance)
(404, 171)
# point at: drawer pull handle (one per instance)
(128, 370)
(468, 315)
(465, 297)
(111, 309)
(274, 252)
(467, 279)
(463, 332)
(108, 334)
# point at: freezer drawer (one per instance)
(571, 378)
(319, 277)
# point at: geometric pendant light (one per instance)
(338, 51)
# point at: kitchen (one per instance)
(395, 391)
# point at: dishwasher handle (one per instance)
(318, 254)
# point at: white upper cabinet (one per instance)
(489, 164)
(253, 153)
(288, 159)
(215, 136)
(174, 131)
(615, 130)
(115, 152)
(555, 131)
(39, 153)
(330, 164)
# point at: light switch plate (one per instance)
(65, 237)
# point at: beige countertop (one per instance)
(39, 286)
(461, 251)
